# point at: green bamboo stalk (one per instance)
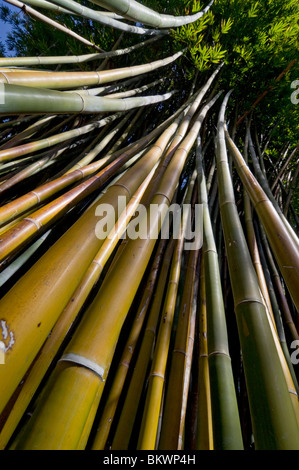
(134, 10)
(67, 80)
(86, 12)
(18, 99)
(282, 243)
(226, 424)
(94, 152)
(31, 147)
(272, 413)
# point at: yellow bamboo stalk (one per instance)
(34, 304)
(204, 420)
(125, 424)
(108, 413)
(172, 414)
(150, 419)
(63, 325)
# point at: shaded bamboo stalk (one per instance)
(225, 415)
(129, 409)
(284, 248)
(204, 431)
(153, 403)
(265, 378)
(176, 386)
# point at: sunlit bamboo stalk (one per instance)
(72, 309)
(67, 80)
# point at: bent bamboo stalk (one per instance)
(67, 80)
(136, 11)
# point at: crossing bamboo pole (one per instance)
(42, 193)
(265, 378)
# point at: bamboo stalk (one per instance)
(153, 403)
(108, 413)
(173, 404)
(226, 424)
(134, 10)
(86, 12)
(66, 80)
(67, 265)
(284, 248)
(275, 426)
(204, 434)
(18, 99)
(62, 328)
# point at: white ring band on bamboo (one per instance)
(83, 361)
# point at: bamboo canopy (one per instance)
(149, 251)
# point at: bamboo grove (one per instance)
(179, 328)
